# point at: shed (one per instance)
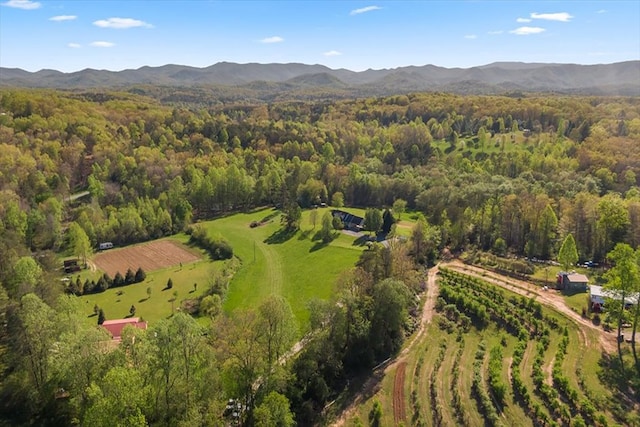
(572, 281)
(598, 296)
(115, 327)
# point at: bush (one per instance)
(218, 248)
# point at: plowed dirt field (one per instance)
(150, 256)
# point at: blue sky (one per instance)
(73, 35)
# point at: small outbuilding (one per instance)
(572, 281)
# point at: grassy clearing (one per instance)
(297, 267)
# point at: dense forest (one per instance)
(513, 175)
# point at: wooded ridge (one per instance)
(621, 78)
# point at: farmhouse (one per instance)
(572, 281)
(350, 221)
(115, 327)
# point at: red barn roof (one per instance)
(115, 327)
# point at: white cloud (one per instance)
(471, 36)
(274, 39)
(121, 23)
(102, 44)
(602, 11)
(560, 16)
(74, 45)
(493, 33)
(61, 18)
(523, 20)
(23, 4)
(332, 53)
(525, 31)
(364, 10)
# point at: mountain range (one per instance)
(622, 78)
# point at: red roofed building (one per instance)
(115, 327)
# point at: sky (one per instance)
(71, 35)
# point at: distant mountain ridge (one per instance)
(622, 78)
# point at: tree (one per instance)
(387, 222)
(622, 281)
(79, 242)
(390, 303)
(35, 339)
(169, 283)
(278, 325)
(132, 310)
(148, 292)
(425, 240)
(26, 275)
(568, 254)
(291, 215)
(101, 317)
(274, 411)
(313, 218)
(373, 220)
(399, 207)
(211, 305)
(118, 400)
(337, 200)
(326, 230)
(129, 277)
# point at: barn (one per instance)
(572, 281)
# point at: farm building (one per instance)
(115, 327)
(350, 221)
(572, 281)
(598, 297)
(70, 265)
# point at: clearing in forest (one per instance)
(149, 256)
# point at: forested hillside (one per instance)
(510, 175)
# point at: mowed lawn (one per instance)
(297, 267)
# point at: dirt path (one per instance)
(550, 298)
(274, 267)
(428, 309)
(399, 413)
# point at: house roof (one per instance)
(115, 327)
(577, 278)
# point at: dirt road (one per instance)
(399, 363)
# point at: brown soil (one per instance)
(399, 414)
(149, 256)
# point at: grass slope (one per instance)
(296, 267)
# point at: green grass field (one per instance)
(298, 267)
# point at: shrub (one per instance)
(140, 275)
